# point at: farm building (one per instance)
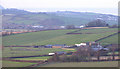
(48, 46)
(59, 53)
(81, 44)
(50, 54)
(94, 46)
(58, 46)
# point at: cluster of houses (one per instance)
(55, 27)
(54, 46)
(93, 45)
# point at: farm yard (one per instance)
(31, 55)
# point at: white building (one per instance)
(81, 44)
(62, 27)
(51, 53)
(82, 26)
(38, 26)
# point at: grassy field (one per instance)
(34, 58)
(15, 64)
(110, 40)
(7, 52)
(98, 30)
(54, 37)
(32, 38)
(83, 64)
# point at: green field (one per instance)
(34, 58)
(54, 37)
(98, 31)
(7, 52)
(110, 40)
(15, 64)
(83, 64)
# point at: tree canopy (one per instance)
(97, 23)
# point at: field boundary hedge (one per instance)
(106, 37)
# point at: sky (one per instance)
(98, 6)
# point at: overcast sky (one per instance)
(110, 6)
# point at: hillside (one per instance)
(57, 37)
(60, 18)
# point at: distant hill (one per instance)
(14, 11)
(54, 18)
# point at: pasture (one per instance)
(56, 37)
(34, 58)
(15, 64)
(14, 52)
(110, 40)
(98, 31)
(83, 64)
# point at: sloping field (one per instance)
(111, 40)
(98, 31)
(54, 37)
(32, 38)
(83, 64)
(16, 64)
(34, 58)
(8, 52)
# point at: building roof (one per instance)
(59, 45)
(61, 52)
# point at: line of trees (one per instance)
(97, 23)
(83, 54)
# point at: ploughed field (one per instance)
(57, 37)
